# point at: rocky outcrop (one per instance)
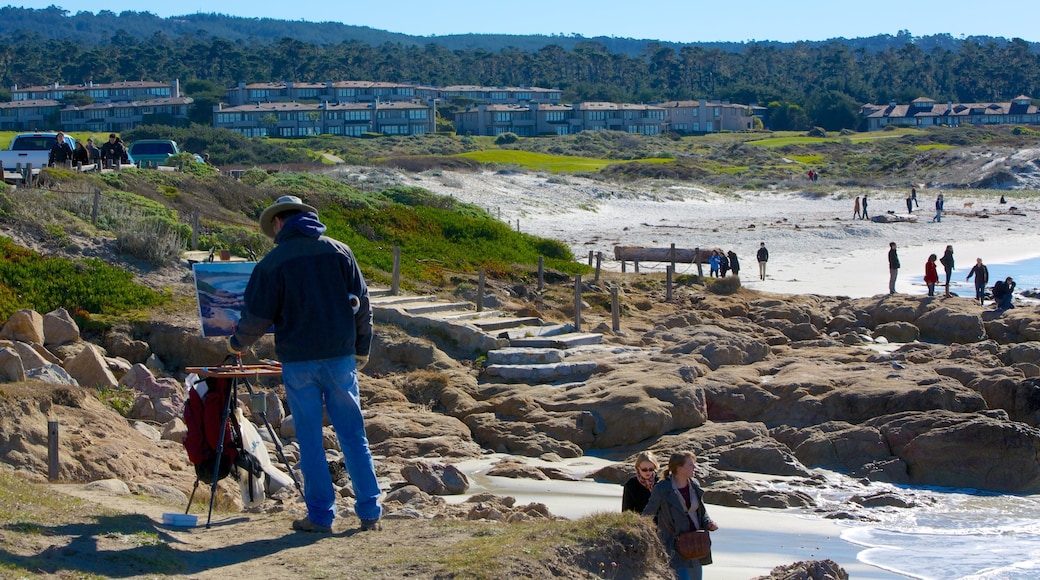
(807, 570)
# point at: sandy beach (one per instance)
(814, 244)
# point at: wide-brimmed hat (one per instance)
(286, 202)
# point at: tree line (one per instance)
(802, 84)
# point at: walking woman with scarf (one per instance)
(677, 502)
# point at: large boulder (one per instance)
(11, 368)
(800, 392)
(436, 478)
(950, 324)
(24, 325)
(835, 445)
(59, 328)
(90, 369)
(717, 347)
(1017, 325)
(970, 450)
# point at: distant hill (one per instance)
(86, 27)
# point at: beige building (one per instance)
(29, 115)
(302, 119)
(121, 116)
(100, 92)
(707, 116)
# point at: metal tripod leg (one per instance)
(224, 419)
(277, 441)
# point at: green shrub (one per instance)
(254, 176)
(506, 138)
(155, 240)
(28, 280)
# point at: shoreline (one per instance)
(750, 541)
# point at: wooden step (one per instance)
(432, 307)
(504, 323)
(536, 331)
(561, 341)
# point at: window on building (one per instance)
(123, 112)
(499, 95)
(555, 116)
(597, 115)
(717, 111)
(501, 117)
(417, 114)
(259, 93)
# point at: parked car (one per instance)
(34, 148)
(153, 152)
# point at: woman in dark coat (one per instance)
(734, 263)
(637, 489)
(677, 502)
(947, 262)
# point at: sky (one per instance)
(669, 20)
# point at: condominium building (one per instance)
(121, 116)
(925, 112)
(29, 115)
(100, 92)
(302, 119)
(707, 116)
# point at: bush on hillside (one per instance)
(155, 240)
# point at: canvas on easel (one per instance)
(220, 288)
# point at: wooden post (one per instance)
(668, 284)
(671, 254)
(395, 280)
(635, 266)
(615, 309)
(622, 266)
(697, 260)
(480, 292)
(27, 176)
(590, 257)
(96, 209)
(52, 450)
(195, 229)
(599, 263)
(518, 224)
(577, 303)
(541, 273)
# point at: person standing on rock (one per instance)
(947, 261)
(310, 288)
(931, 274)
(981, 274)
(637, 489)
(893, 267)
(677, 502)
(763, 257)
(714, 262)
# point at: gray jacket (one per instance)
(667, 505)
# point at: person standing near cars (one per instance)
(114, 152)
(94, 154)
(61, 152)
(311, 289)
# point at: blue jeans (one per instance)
(694, 572)
(332, 383)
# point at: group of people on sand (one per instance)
(1002, 291)
(675, 500)
(722, 263)
(859, 209)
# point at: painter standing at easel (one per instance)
(311, 289)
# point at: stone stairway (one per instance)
(521, 349)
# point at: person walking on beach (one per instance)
(637, 489)
(947, 261)
(677, 501)
(938, 208)
(913, 195)
(311, 289)
(763, 257)
(893, 267)
(734, 263)
(909, 204)
(931, 274)
(981, 274)
(864, 214)
(855, 209)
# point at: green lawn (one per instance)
(546, 162)
(798, 138)
(930, 146)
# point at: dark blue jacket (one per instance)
(303, 288)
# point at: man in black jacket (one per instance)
(61, 152)
(113, 152)
(310, 288)
(763, 257)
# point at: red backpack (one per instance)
(204, 416)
